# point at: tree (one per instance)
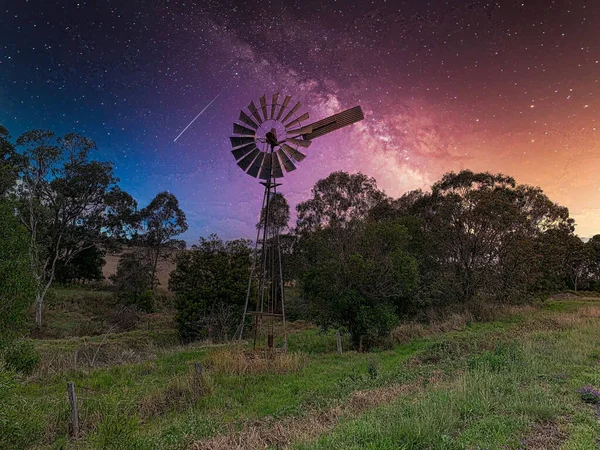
(279, 213)
(62, 199)
(483, 236)
(84, 266)
(16, 282)
(133, 281)
(210, 283)
(160, 222)
(362, 289)
(338, 201)
(8, 162)
(594, 248)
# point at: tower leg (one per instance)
(268, 270)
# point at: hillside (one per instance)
(165, 267)
(508, 383)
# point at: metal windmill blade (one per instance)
(265, 170)
(247, 120)
(245, 162)
(286, 161)
(243, 151)
(244, 131)
(297, 121)
(256, 165)
(284, 105)
(254, 112)
(263, 106)
(274, 105)
(299, 131)
(291, 112)
(293, 153)
(299, 142)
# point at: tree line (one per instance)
(363, 261)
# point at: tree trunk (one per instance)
(39, 299)
(153, 282)
(40, 295)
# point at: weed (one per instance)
(589, 394)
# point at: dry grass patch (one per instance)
(181, 392)
(274, 433)
(233, 361)
(544, 436)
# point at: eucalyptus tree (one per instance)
(67, 202)
(159, 223)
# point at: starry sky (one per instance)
(505, 86)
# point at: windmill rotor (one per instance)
(274, 135)
(268, 139)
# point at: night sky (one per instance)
(507, 86)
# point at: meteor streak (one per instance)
(199, 114)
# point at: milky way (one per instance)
(510, 86)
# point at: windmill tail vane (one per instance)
(269, 139)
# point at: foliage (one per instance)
(8, 162)
(337, 201)
(363, 285)
(84, 266)
(133, 281)
(480, 238)
(160, 222)
(210, 283)
(278, 213)
(63, 198)
(16, 282)
(21, 356)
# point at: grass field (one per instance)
(510, 383)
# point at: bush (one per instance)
(133, 282)
(16, 282)
(146, 301)
(210, 284)
(21, 356)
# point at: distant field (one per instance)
(165, 267)
(507, 384)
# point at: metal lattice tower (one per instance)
(267, 141)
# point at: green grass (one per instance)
(485, 386)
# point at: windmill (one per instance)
(269, 139)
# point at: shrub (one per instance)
(145, 301)
(21, 356)
(16, 282)
(133, 282)
(210, 284)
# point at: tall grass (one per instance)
(234, 361)
(476, 384)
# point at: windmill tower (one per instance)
(268, 141)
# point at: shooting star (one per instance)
(199, 114)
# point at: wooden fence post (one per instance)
(338, 339)
(74, 411)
